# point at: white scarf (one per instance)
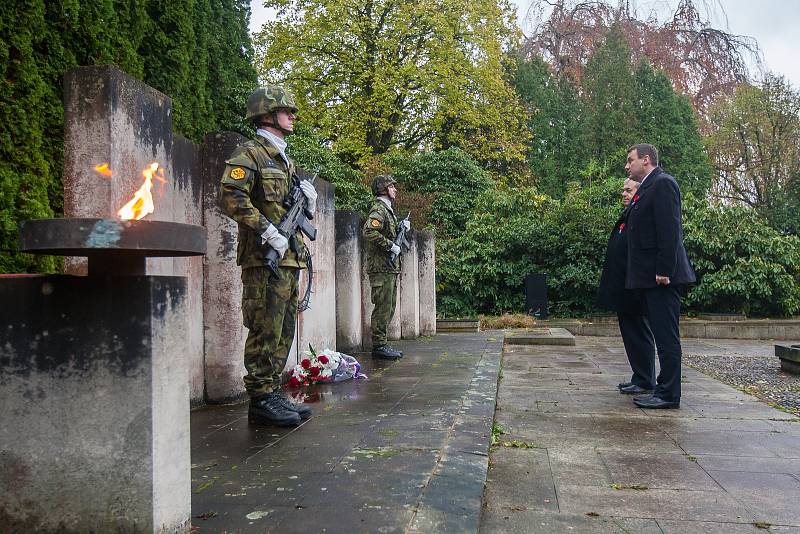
(276, 141)
(386, 201)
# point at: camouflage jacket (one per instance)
(380, 231)
(255, 182)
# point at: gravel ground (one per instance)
(760, 376)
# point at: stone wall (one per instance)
(113, 118)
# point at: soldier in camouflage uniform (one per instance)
(258, 175)
(380, 231)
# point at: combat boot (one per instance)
(384, 352)
(399, 352)
(300, 409)
(269, 410)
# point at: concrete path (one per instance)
(404, 451)
(577, 456)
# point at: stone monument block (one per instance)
(222, 283)
(426, 254)
(366, 298)
(188, 209)
(317, 325)
(409, 290)
(790, 358)
(113, 118)
(348, 281)
(95, 433)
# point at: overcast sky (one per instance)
(774, 23)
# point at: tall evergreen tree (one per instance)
(197, 52)
(666, 120)
(558, 150)
(610, 95)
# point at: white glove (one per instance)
(276, 240)
(395, 249)
(406, 223)
(310, 193)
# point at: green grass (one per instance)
(497, 431)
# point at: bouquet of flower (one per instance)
(327, 366)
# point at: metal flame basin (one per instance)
(114, 247)
(88, 237)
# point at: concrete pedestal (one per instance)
(317, 325)
(426, 257)
(366, 299)
(348, 281)
(222, 283)
(409, 291)
(94, 389)
(790, 358)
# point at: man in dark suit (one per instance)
(629, 305)
(658, 266)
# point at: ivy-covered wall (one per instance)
(197, 51)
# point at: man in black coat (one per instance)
(658, 266)
(629, 305)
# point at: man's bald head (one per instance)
(629, 189)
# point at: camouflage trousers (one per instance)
(384, 297)
(269, 309)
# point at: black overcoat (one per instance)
(655, 234)
(611, 294)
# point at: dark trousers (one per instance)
(639, 347)
(663, 311)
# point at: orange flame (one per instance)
(103, 169)
(142, 202)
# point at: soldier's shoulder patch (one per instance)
(375, 223)
(238, 173)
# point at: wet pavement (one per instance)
(408, 450)
(404, 451)
(577, 456)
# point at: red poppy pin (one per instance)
(636, 198)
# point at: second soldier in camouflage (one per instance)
(380, 232)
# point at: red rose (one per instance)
(636, 198)
(314, 371)
(323, 359)
(306, 363)
(294, 382)
(621, 227)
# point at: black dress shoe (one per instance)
(655, 403)
(384, 352)
(624, 384)
(633, 389)
(269, 410)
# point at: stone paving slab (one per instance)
(540, 336)
(577, 456)
(404, 451)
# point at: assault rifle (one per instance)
(401, 241)
(296, 218)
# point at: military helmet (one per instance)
(381, 183)
(268, 99)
